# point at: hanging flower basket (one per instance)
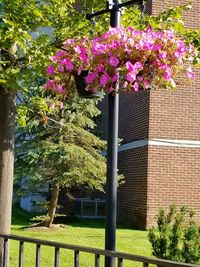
(137, 59)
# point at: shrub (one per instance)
(177, 236)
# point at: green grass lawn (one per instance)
(81, 232)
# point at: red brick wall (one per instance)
(160, 175)
(175, 114)
(132, 195)
(134, 116)
(173, 178)
(174, 172)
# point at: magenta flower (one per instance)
(53, 58)
(59, 88)
(68, 41)
(114, 78)
(167, 74)
(139, 78)
(60, 54)
(130, 66)
(130, 29)
(80, 70)
(104, 79)
(146, 84)
(67, 63)
(100, 68)
(77, 49)
(110, 89)
(91, 77)
(169, 34)
(51, 69)
(131, 76)
(114, 61)
(83, 57)
(136, 86)
(190, 73)
(162, 55)
(156, 47)
(50, 84)
(97, 49)
(61, 68)
(138, 65)
(135, 67)
(115, 44)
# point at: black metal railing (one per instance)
(98, 253)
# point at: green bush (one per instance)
(177, 236)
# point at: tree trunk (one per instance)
(52, 205)
(7, 121)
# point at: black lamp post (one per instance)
(112, 141)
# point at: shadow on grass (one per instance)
(22, 219)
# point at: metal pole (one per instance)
(112, 144)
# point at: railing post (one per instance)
(76, 258)
(37, 255)
(97, 260)
(57, 257)
(120, 262)
(21, 253)
(5, 252)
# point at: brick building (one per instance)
(160, 153)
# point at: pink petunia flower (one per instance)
(138, 65)
(68, 41)
(61, 68)
(135, 86)
(110, 89)
(50, 84)
(156, 47)
(59, 88)
(115, 44)
(129, 66)
(104, 79)
(51, 69)
(60, 54)
(131, 76)
(167, 75)
(114, 78)
(146, 84)
(114, 61)
(139, 78)
(162, 55)
(83, 57)
(100, 68)
(77, 49)
(67, 63)
(91, 77)
(80, 70)
(190, 73)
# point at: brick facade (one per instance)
(160, 175)
(173, 177)
(132, 196)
